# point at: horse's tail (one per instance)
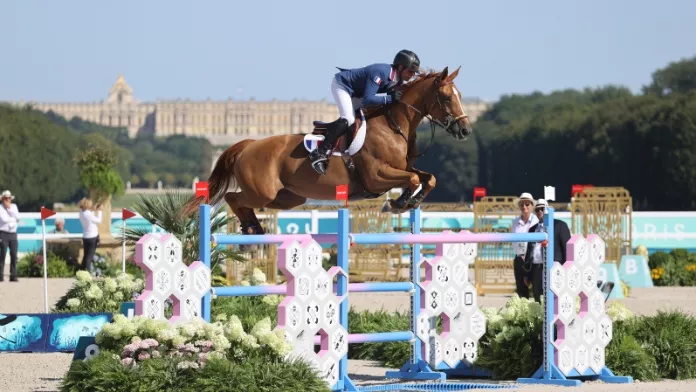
(219, 180)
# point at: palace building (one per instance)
(221, 122)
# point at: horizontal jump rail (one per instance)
(376, 287)
(382, 238)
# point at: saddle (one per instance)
(345, 141)
(345, 147)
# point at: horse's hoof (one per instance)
(386, 207)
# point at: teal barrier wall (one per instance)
(655, 230)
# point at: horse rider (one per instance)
(363, 83)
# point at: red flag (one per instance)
(202, 189)
(126, 214)
(479, 192)
(341, 192)
(46, 213)
(577, 188)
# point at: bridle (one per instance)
(449, 118)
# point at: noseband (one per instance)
(449, 117)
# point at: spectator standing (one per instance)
(9, 220)
(90, 231)
(522, 224)
(60, 227)
(536, 251)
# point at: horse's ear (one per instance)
(454, 74)
(443, 74)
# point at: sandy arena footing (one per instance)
(43, 372)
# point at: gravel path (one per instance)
(43, 372)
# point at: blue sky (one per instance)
(74, 50)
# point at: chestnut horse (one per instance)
(275, 172)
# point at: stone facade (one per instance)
(221, 122)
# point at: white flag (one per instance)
(550, 193)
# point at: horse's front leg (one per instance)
(428, 181)
(388, 177)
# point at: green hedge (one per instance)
(676, 268)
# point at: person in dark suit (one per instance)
(535, 258)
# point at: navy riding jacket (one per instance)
(367, 81)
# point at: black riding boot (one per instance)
(320, 156)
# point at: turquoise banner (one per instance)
(656, 230)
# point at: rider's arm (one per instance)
(369, 98)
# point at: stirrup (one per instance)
(320, 165)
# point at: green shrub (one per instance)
(249, 309)
(674, 273)
(31, 266)
(98, 295)
(625, 356)
(658, 259)
(392, 354)
(105, 372)
(669, 337)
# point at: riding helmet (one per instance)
(408, 59)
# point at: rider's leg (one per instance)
(334, 130)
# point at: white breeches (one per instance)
(346, 104)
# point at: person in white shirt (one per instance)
(521, 224)
(9, 220)
(90, 231)
(536, 251)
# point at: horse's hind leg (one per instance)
(243, 208)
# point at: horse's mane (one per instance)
(425, 75)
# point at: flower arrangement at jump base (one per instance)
(89, 294)
(141, 338)
(146, 354)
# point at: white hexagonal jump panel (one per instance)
(447, 293)
(583, 354)
(167, 277)
(311, 308)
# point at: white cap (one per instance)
(525, 196)
(541, 203)
(7, 193)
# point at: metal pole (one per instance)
(45, 263)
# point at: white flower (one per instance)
(83, 276)
(110, 285)
(257, 276)
(94, 292)
(73, 303)
(618, 311)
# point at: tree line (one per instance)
(606, 136)
(39, 152)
